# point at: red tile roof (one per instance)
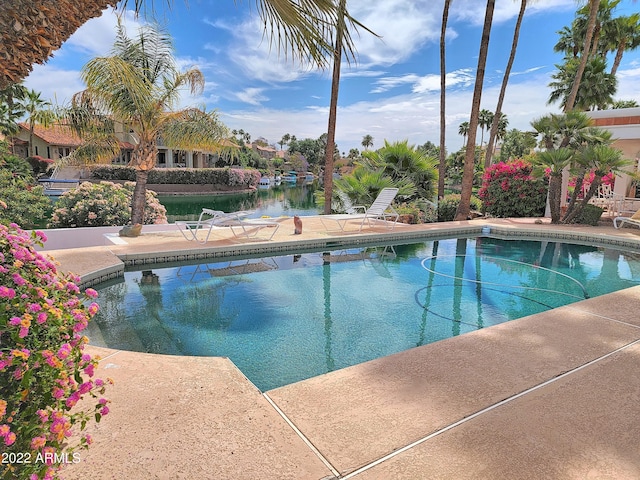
(56, 136)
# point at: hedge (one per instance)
(234, 177)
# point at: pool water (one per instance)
(288, 318)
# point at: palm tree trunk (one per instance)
(138, 201)
(464, 207)
(593, 13)
(503, 88)
(618, 58)
(443, 84)
(144, 160)
(333, 107)
(555, 192)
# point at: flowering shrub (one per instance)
(44, 371)
(448, 206)
(103, 204)
(25, 203)
(509, 190)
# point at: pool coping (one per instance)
(364, 421)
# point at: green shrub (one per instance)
(449, 204)
(247, 178)
(509, 190)
(103, 204)
(420, 211)
(590, 215)
(21, 202)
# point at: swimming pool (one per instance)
(287, 318)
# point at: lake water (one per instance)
(275, 201)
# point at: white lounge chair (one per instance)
(211, 219)
(632, 220)
(380, 209)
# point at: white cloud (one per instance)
(412, 116)
(252, 96)
(55, 85)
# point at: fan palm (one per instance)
(586, 51)
(553, 162)
(37, 112)
(442, 166)
(403, 161)
(138, 85)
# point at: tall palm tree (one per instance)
(442, 165)
(586, 50)
(464, 207)
(37, 113)
(333, 106)
(138, 85)
(503, 88)
(463, 130)
(367, 141)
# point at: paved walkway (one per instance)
(550, 396)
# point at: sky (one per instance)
(392, 91)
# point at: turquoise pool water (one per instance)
(288, 318)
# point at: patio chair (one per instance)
(632, 220)
(211, 219)
(380, 209)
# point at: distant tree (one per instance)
(11, 108)
(367, 141)
(627, 35)
(463, 130)
(516, 145)
(284, 140)
(38, 113)
(353, 153)
(484, 120)
(430, 149)
(624, 104)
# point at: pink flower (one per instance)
(64, 351)
(38, 442)
(91, 293)
(85, 388)
(89, 370)
(41, 318)
(18, 280)
(41, 235)
(58, 393)
(6, 292)
(93, 308)
(104, 410)
(10, 438)
(15, 321)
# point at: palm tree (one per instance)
(11, 108)
(586, 50)
(554, 162)
(284, 140)
(464, 207)
(367, 141)
(138, 85)
(442, 166)
(37, 113)
(624, 104)
(484, 120)
(627, 30)
(333, 106)
(463, 130)
(601, 159)
(495, 124)
(596, 89)
(400, 161)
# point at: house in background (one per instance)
(48, 142)
(624, 125)
(57, 142)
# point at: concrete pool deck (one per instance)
(553, 395)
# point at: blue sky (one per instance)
(392, 93)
